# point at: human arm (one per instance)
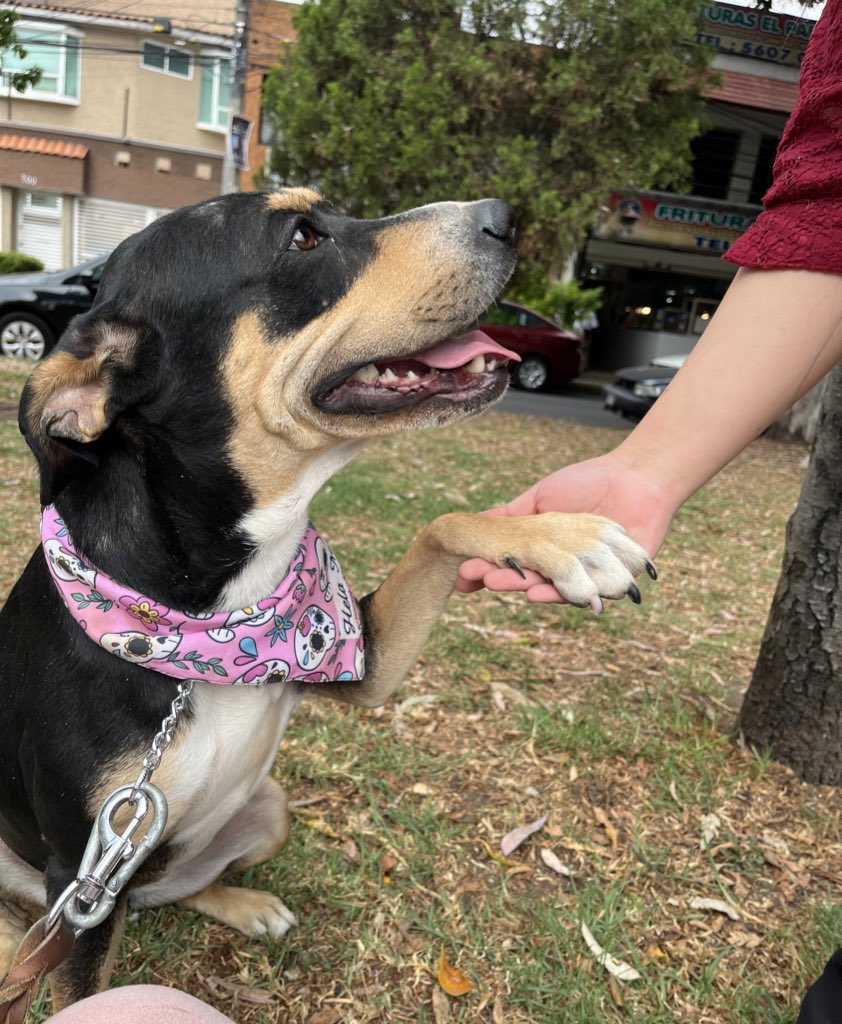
(775, 334)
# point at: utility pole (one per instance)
(230, 173)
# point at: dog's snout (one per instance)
(494, 217)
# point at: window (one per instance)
(713, 161)
(214, 94)
(166, 59)
(56, 53)
(762, 178)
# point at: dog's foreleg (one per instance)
(586, 557)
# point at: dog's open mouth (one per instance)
(471, 366)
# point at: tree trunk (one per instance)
(801, 422)
(793, 706)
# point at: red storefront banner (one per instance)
(673, 222)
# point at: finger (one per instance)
(468, 586)
(544, 593)
(509, 579)
(474, 569)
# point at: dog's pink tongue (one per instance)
(459, 351)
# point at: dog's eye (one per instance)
(305, 238)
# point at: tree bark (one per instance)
(801, 422)
(793, 706)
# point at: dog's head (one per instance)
(275, 329)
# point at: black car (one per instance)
(35, 308)
(635, 389)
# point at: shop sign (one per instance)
(781, 38)
(673, 222)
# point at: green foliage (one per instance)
(19, 80)
(566, 302)
(388, 104)
(18, 262)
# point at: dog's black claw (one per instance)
(653, 572)
(634, 593)
(513, 563)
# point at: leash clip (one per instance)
(110, 859)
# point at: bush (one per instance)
(567, 302)
(18, 263)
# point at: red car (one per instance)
(550, 355)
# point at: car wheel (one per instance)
(531, 373)
(24, 335)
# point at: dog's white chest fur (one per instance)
(227, 750)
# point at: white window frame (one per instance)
(31, 93)
(167, 51)
(219, 67)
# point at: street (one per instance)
(582, 406)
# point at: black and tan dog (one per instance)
(238, 354)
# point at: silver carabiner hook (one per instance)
(110, 859)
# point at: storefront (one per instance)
(658, 257)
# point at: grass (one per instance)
(616, 728)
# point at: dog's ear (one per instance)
(74, 396)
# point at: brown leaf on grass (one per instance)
(505, 862)
(616, 991)
(388, 863)
(246, 993)
(612, 833)
(350, 851)
(497, 1014)
(330, 1015)
(441, 1009)
(453, 981)
(512, 840)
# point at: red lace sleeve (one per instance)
(801, 226)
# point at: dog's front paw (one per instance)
(586, 557)
(253, 912)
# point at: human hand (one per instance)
(604, 486)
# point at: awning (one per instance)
(40, 164)
(744, 90)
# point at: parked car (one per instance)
(635, 389)
(35, 308)
(549, 354)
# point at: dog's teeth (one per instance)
(476, 365)
(491, 364)
(366, 373)
(411, 375)
(387, 376)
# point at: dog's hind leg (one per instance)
(252, 836)
(23, 899)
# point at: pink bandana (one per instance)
(308, 629)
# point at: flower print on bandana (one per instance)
(150, 614)
(307, 630)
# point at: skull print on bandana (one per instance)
(308, 629)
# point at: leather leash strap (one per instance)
(37, 955)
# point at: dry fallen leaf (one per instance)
(506, 862)
(441, 1010)
(710, 825)
(554, 864)
(497, 1014)
(388, 863)
(701, 903)
(350, 850)
(620, 969)
(512, 840)
(452, 980)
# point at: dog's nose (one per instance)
(496, 218)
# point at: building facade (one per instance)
(129, 121)
(658, 256)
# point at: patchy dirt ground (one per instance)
(709, 870)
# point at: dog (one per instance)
(238, 354)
